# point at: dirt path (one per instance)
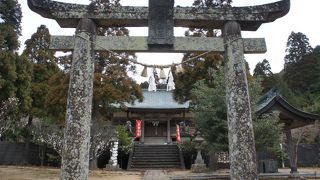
(37, 173)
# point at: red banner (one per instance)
(178, 133)
(138, 128)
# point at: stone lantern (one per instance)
(113, 162)
(199, 165)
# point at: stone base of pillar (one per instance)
(199, 168)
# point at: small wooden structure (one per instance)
(290, 116)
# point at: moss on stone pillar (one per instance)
(75, 154)
(240, 130)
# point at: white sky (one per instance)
(301, 18)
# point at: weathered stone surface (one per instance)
(160, 23)
(75, 154)
(140, 44)
(240, 130)
(250, 18)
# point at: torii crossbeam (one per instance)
(161, 18)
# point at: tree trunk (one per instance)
(43, 153)
(27, 141)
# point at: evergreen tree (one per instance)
(297, 47)
(263, 71)
(8, 75)
(56, 99)
(303, 75)
(10, 29)
(10, 26)
(316, 51)
(211, 116)
(44, 66)
(23, 84)
(311, 69)
(211, 113)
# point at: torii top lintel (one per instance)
(250, 18)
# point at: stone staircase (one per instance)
(155, 157)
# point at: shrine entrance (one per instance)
(161, 17)
(155, 128)
(155, 132)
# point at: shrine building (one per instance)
(159, 115)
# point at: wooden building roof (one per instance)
(291, 116)
(160, 101)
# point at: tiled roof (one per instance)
(273, 101)
(160, 99)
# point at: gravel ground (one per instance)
(45, 173)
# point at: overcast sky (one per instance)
(303, 17)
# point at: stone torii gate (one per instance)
(161, 17)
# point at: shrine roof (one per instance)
(291, 116)
(161, 100)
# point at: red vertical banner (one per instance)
(178, 133)
(138, 128)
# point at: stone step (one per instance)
(155, 166)
(157, 160)
(155, 156)
(154, 148)
(154, 153)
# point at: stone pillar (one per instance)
(75, 153)
(142, 132)
(291, 151)
(168, 132)
(240, 130)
